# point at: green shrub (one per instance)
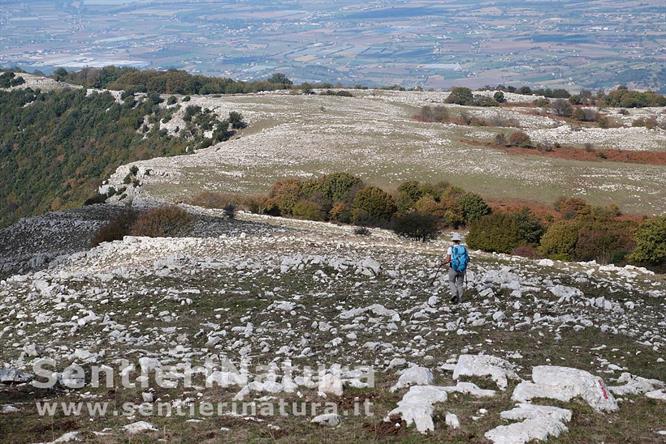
(372, 206)
(651, 242)
(562, 108)
(285, 193)
(339, 187)
(161, 222)
(504, 232)
(341, 212)
(559, 240)
(497, 232)
(571, 207)
(473, 207)
(519, 138)
(529, 227)
(461, 96)
(308, 210)
(415, 225)
(408, 193)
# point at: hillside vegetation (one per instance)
(166, 82)
(74, 139)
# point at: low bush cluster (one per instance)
(442, 114)
(464, 96)
(157, 222)
(161, 222)
(505, 232)
(591, 234)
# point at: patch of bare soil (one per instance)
(593, 154)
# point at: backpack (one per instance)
(459, 258)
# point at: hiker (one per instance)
(457, 259)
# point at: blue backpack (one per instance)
(459, 258)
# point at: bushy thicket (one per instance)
(651, 243)
(416, 225)
(558, 93)
(504, 232)
(116, 229)
(418, 209)
(166, 221)
(589, 233)
(8, 79)
(442, 114)
(464, 96)
(372, 206)
(621, 97)
(166, 82)
(161, 222)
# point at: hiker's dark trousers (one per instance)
(456, 284)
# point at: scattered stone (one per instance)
(139, 427)
(328, 419)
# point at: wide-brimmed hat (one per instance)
(456, 237)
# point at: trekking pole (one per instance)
(436, 274)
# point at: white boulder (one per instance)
(564, 384)
(484, 365)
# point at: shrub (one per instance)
(499, 97)
(408, 193)
(339, 187)
(504, 232)
(116, 229)
(519, 138)
(497, 232)
(308, 210)
(372, 206)
(473, 207)
(361, 231)
(461, 96)
(570, 207)
(161, 222)
(172, 100)
(428, 205)
(500, 139)
(559, 241)
(236, 120)
(230, 210)
(562, 108)
(529, 227)
(436, 114)
(340, 212)
(607, 242)
(415, 225)
(541, 102)
(586, 114)
(285, 193)
(651, 242)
